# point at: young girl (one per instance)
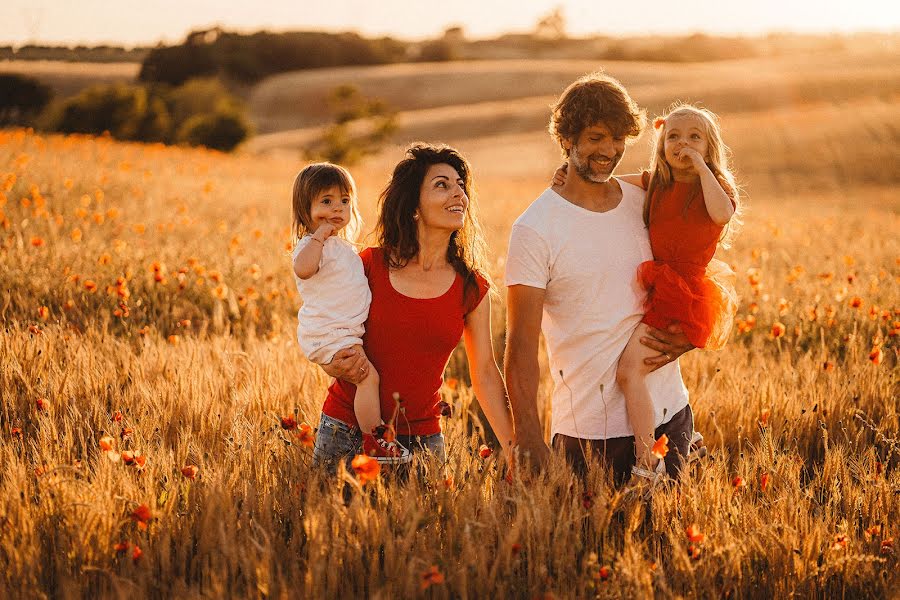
(335, 292)
(691, 198)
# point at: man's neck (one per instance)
(595, 197)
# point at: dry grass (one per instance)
(259, 522)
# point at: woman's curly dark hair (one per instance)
(591, 99)
(396, 231)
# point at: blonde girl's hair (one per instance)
(308, 184)
(719, 160)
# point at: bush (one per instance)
(201, 113)
(199, 96)
(219, 130)
(21, 98)
(125, 111)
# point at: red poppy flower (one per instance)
(778, 329)
(289, 423)
(764, 481)
(444, 408)
(121, 547)
(693, 534)
(764, 417)
(484, 451)
(431, 577)
(190, 471)
(738, 482)
(41, 404)
(306, 435)
(604, 572)
(587, 500)
(887, 546)
(136, 553)
(661, 447)
(142, 516)
(876, 355)
(106, 443)
(366, 468)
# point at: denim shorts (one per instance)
(336, 440)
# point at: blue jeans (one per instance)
(336, 440)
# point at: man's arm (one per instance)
(524, 307)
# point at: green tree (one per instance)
(222, 130)
(361, 127)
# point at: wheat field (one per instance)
(150, 380)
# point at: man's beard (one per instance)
(582, 167)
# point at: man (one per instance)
(571, 268)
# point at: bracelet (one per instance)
(317, 239)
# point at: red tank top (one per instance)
(409, 341)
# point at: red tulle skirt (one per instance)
(701, 300)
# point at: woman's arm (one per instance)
(486, 379)
(718, 204)
(306, 263)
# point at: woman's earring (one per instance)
(416, 216)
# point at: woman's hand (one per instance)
(670, 344)
(348, 364)
(559, 177)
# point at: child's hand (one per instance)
(324, 231)
(559, 177)
(696, 159)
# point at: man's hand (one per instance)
(533, 452)
(348, 364)
(670, 344)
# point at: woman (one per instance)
(429, 287)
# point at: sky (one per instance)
(146, 22)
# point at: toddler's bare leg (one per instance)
(631, 375)
(367, 403)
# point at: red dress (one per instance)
(408, 340)
(684, 284)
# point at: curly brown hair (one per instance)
(591, 99)
(396, 231)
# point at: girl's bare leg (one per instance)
(631, 375)
(367, 403)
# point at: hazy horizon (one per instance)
(131, 23)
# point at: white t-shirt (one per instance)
(587, 263)
(335, 300)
